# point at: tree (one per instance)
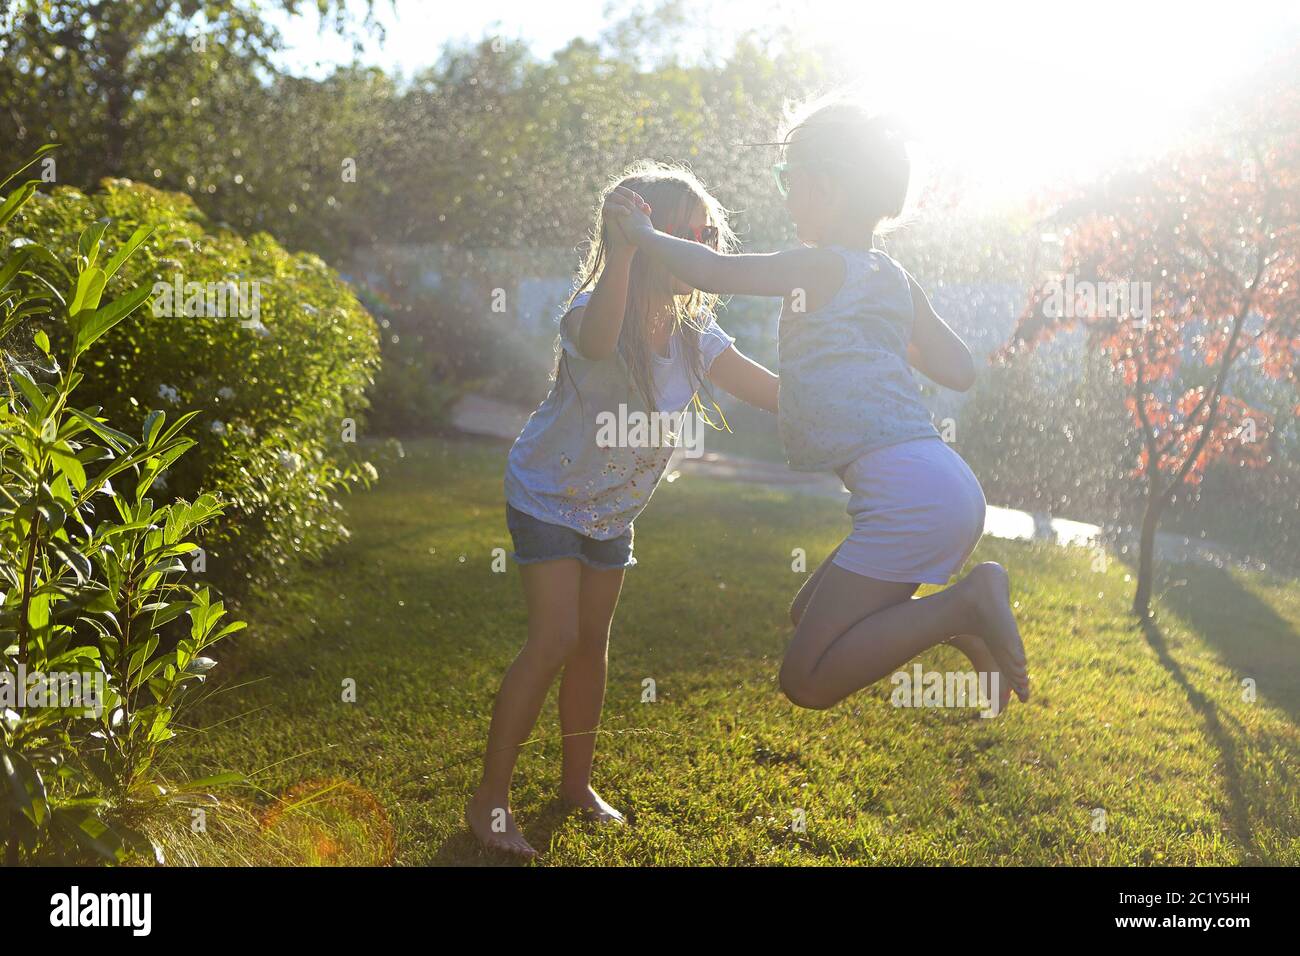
(76, 71)
(1214, 229)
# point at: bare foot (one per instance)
(992, 591)
(494, 825)
(592, 806)
(982, 659)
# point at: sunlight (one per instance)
(978, 96)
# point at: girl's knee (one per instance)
(553, 646)
(594, 641)
(802, 690)
(796, 611)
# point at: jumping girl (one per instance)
(852, 321)
(632, 336)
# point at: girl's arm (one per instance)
(776, 274)
(739, 375)
(596, 326)
(936, 350)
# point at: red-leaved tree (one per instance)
(1212, 232)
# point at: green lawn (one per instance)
(1149, 726)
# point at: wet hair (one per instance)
(863, 153)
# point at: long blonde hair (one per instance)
(673, 192)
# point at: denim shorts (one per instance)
(536, 540)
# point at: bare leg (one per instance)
(972, 645)
(857, 629)
(800, 602)
(582, 692)
(551, 589)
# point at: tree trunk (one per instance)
(1147, 554)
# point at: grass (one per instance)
(1149, 725)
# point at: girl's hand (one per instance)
(614, 212)
(630, 212)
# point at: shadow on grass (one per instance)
(1239, 807)
(462, 848)
(1251, 639)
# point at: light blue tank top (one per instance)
(846, 385)
(557, 470)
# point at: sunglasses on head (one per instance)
(708, 235)
(782, 171)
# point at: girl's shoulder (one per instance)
(869, 260)
(713, 340)
(875, 271)
(568, 332)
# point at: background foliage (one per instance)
(272, 400)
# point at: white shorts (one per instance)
(917, 510)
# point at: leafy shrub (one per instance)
(92, 572)
(274, 354)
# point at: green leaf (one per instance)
(35, 397)
(89, 244)
(17, 261)
(14, 263)
(26, 789)
(14, 201)
(91, 833)
(38, 611)
(48, 147)
(90, 286)
(120, 441)
(70, 466)
(105, 318)
(139, 236)
(159, 730)
(217, 780)
(74, 559)
(167, 612)
(103, 602)
(151, 425)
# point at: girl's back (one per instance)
(846, 385)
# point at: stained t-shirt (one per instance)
(557, 470)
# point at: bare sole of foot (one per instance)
(592, 806)
(982, 659)
(1000, 631)
(495, 828)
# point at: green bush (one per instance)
(96, 659)
(274, 354)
